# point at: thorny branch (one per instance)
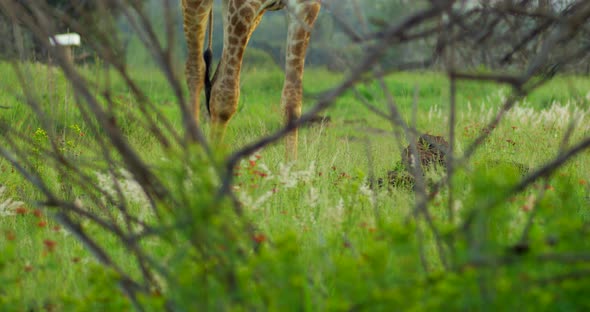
(523, 48)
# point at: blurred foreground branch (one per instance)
(186, 199)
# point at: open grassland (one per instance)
(344, 244)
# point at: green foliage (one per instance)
(314, 235)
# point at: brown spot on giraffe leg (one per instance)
(297, 42)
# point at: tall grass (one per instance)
(335, 227)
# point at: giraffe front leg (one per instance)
(195, 17)
(302, 16)
(225, 95)
(240, 18)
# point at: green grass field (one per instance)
(330, 242)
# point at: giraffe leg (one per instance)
(196, 14)
(302, 16)
(240, 18)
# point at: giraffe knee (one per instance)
(223, 113)
(224, 101)
(226, 114)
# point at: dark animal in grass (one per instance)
(399, 178)
(432, 151)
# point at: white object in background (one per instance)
(69, 39)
